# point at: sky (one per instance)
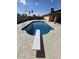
(39, 7)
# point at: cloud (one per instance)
(23, 2)
(52, 0)
(36, 3)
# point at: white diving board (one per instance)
(36, 43)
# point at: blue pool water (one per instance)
(31, 28)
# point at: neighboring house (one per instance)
(53, 17)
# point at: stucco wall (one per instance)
(46, 18)
(49, 18)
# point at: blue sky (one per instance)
(39, 7)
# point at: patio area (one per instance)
(51, 43)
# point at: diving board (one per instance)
(36, 43)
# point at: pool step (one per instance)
(36, 43)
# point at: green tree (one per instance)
(52, 10)
(32, 11)
(18, 14)
(24, 15)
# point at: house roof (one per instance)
(55, 12)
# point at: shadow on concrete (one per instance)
(41, 53)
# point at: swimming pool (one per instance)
(33, 26)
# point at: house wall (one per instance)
(49, 18)
(46, 18)
(57, 19)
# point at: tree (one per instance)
(32, 11)
(18, 14)
(52, 10)
(34, 15)
(29, 12)
(24, 15)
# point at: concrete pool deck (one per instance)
(51, 42)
